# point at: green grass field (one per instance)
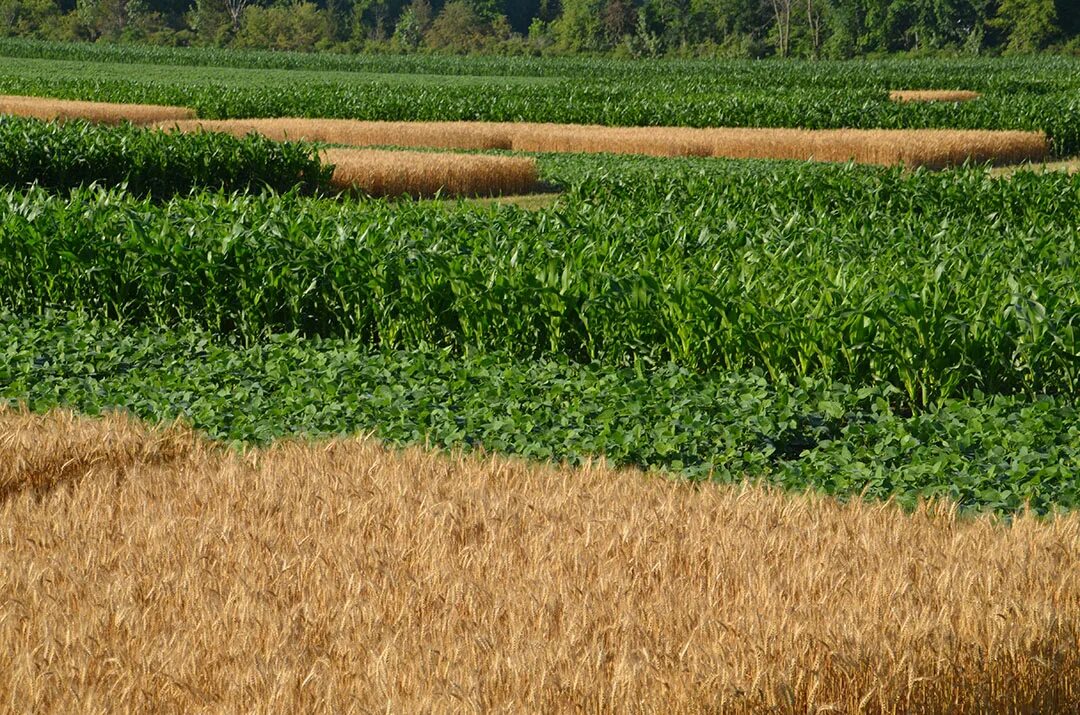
(241, 78)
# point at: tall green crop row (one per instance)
(939, 284)
(148, 162)
(1036, 74)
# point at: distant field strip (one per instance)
(933, 148)
(104, 112)
(443, 135)
(933, 95)
(147, 570)
(394, 173)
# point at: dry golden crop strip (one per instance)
(166, 574)
(934, 148)
(104, 112)
(933, 95)
(651, 141)
(413, 173)
(445, 135)
(524, 136)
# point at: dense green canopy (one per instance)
(737, 28)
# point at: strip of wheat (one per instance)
(103, 112)
(936, 148)
(522, 136)
(932, 148)
(147, 571)
(396, 173)
(650, 141)
(933, 95)
(445, 135)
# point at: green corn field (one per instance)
(64, 156)
(939, 284)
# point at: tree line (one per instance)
(639, 28)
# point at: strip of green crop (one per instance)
(986, 453)
(151, 163)
(1031, 94)
(939, 284)
(1011, 74)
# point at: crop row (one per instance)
(936, 148)
(770, 96)
(987, 453)
(937, 284)
(1034, 74)
(150, 163)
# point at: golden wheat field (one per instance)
(145, 570)
(394, 173)
(933, 95)
(934, 148)
(103, 112)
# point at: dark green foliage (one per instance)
(986, 453)
(150, 162)
(937, 283)
(835, 28)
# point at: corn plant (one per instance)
(939, 284)
(148, 162)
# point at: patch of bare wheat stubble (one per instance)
(165, 574)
